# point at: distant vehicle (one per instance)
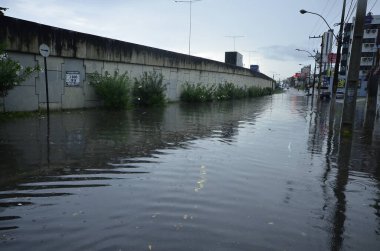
(325, 94)
(339, 95)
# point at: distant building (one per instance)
(233, 58)
(305, 74)
(327, 40)
(370, 43)
(254, 68)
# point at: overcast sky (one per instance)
(271, 29)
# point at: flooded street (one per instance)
(260, 174)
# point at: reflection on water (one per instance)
(265, 174)
(202, 179)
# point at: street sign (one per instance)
(72, 78)
(44, 50)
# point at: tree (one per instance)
(12, 73)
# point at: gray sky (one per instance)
(273, 29)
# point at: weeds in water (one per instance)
(225, 91)
(114, 89)
(149, 90)
(229, 91)
(197, 93)
(255, 91)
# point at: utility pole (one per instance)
(315, 69)
(336, 69)
(372, 89)
(348, 115)
(320, 69)
(320, 64)
(338, 54)
(190, 2)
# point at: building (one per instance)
(305, 74)
(254, 68)
(233, 58)
(371, 40)
(327, 68)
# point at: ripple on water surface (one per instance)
(258, 174)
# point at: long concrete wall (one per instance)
(84, 53)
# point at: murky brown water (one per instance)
(249, 175)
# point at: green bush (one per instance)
(267, 91)
(11, 72)
(255, 91)
(226, 91)
(197, 93)
(229, 91)
(240, 92)
(112, 89)
(149, 90)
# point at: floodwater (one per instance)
(261, 174)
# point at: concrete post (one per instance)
(337, 64)
(372, 89)
(338, 54)
(348, 115)
(315, 69)
(320, 69)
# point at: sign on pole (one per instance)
(45, 51)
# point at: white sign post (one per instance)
(45, 51)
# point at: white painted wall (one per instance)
(30, 95)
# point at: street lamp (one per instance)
(190, 2)
(310, 55)
(305, 11)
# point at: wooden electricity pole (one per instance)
(348, 115)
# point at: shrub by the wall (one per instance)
(224, 91)
(149, 90)
(228, 91)
(114, 89)
(197, 93)
(11, 72)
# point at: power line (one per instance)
(352, 12)
(317, 25)
(318, 22)
(348, 12)
(321, 27)
(372, 6)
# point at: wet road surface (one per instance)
(263, 174)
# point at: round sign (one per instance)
(44, 50)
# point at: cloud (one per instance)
(281, 52)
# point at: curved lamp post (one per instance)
(310, 55)
(305, 11)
